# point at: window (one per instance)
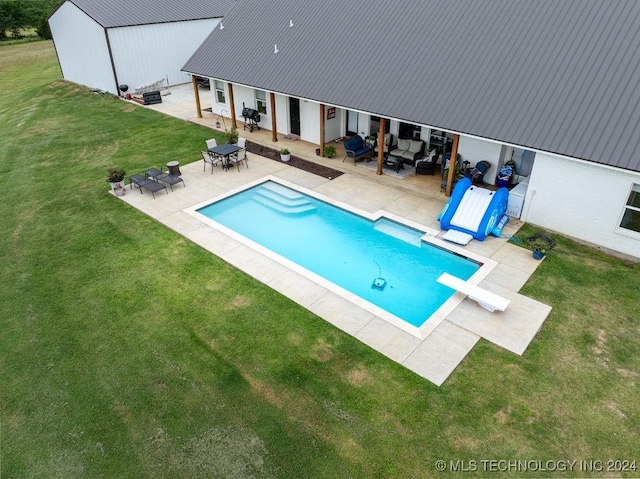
(261, 101)
(631, 216)
(220, 97)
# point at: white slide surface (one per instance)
(472, 208)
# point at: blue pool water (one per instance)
(346, 249)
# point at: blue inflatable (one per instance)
(473, 210)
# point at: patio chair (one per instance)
(144, 182)
(242, 154)
(166, 177)
(238, 157)
(427, 165)
(212, 143)
(476, 175)
(210, 159)
(387, 144)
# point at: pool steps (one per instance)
(283, 200)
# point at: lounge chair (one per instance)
(165, 177)
(143, 182)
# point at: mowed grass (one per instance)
(127, 351)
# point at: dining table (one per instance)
(224, 151)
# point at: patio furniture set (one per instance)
(396, 153)
(154, 180)
(226, 155)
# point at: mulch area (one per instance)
(296, 162)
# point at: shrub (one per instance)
(116, 174)
(329, 151)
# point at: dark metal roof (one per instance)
(123, 13)
(554, 75)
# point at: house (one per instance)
(551, 84)
(106, 43)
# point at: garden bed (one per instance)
(295, 161)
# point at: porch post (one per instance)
(274, 123)
(383, 124)
(197, 95)
(232, 104)
(322, 120)
(452, 164)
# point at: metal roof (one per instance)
(553, 75)
(124, 13)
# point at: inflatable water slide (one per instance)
(473, 211)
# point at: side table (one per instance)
(174, 168)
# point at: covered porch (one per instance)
(181, 104)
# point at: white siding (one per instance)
(82, 50)
(310, 121)
(282, 113)
(334, 127)
(475, 150)
(581, 200)
(208, 99)
(145, 54)
(245, 95)
(364, 124)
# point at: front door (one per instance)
(294, 116)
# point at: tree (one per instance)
(16, 15)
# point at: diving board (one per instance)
(484, 298)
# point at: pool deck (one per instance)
(437, 355)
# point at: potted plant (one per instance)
(285, 155)
(539, 245)
(115, 178)
(539, 250)
(232, 135)
(329, 151)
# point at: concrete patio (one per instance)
(434, 356)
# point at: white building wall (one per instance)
(333, 127)
(81, 47)
(581, 200)
(309, 113)
(310, 121)
(208, 99)
(475, 150)
(145, 54)
(241, 94)
(282, 114)
(364, 124)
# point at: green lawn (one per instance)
(127, 351)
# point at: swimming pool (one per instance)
(382, 261)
